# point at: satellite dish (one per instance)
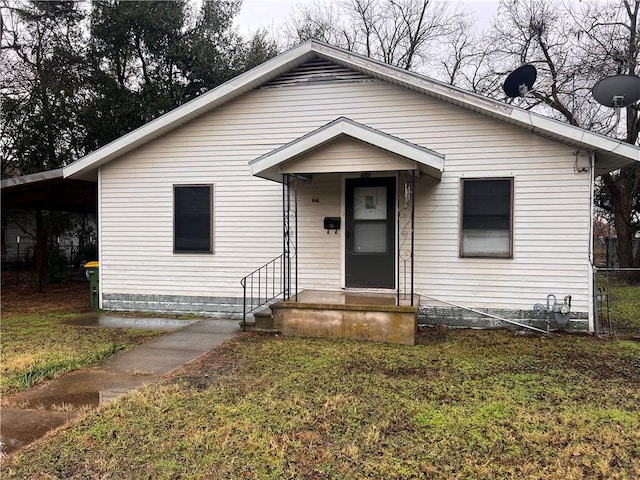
(519, 82)
(617, 91)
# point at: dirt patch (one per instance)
(605, 367)
(23, 299)
(210, 367)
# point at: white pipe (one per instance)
(485, 314)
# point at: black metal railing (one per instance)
(263, 285)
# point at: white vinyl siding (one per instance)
(348, 155)
(319, 251)
(551, 204)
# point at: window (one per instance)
(192, 220)
(487, 213)
(370, 219)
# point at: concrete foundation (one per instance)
(215, 307)
(461, 318)
(231, 307)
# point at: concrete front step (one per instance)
(251, 327)
(263, 321)
(355, 315)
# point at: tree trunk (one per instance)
(622, 213)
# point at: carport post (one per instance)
(39, 251)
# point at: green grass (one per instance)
(624, 302)
(465, 404)
(625, 307)
(39, 347)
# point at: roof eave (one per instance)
(31, 178)
(536, 123)
(227, 91)
(257, 76)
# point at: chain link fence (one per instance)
(617, 294)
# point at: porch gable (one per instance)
(402, 155)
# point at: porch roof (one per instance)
(274, 164)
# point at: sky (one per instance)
(271, 14)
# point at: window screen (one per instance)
(192, 218)
(486, 217)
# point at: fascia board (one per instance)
(219, 95)
(625, 152)
(576, 136)
(626, 149)
(31, 178)
(521, 117)
(585, 138)
(549, 126)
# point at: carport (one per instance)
(52, 192)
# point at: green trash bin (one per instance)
(91, 271)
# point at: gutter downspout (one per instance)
(100, 231)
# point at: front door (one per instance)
(370, 232)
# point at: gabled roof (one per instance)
(610, 153)
(268, 165)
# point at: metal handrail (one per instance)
(267, 282)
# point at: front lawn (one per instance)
(463, 404)
(38, 345)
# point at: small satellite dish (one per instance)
(617, 91)
(520, 82)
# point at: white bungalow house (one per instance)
(359, 178)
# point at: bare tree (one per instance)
(403, 33)
(611, 46)
(573, 46)
(464, 59)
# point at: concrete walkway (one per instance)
(174, 349)
(33, 413)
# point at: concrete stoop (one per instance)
(358, 316)
(339, 314)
